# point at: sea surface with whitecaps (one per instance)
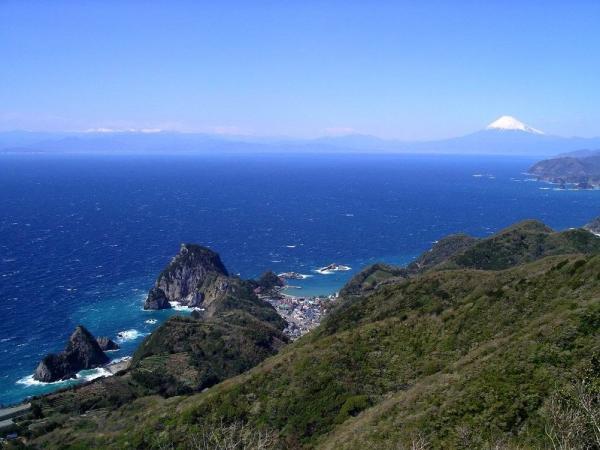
(82, 237)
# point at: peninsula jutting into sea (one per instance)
(580, 169)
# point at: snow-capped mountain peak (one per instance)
(510, 123)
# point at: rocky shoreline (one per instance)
(563, 183)
(569, 171)
(82, 352)
(197, 279)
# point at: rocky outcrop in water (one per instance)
(194, 277)
(157, 299)
(106, 344)
(82, 352)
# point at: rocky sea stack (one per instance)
(82, 352)
(195, 276)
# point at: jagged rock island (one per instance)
(82, 352)
(195, 277)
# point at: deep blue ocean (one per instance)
(82, 237)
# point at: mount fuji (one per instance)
(509, 123)
(504, 136)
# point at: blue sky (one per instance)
(408, 70)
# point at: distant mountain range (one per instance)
(506, 135)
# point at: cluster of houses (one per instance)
(302, 313)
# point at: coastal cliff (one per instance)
(194, 277)
(230, 330)
(82, 352)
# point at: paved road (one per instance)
(7, 413)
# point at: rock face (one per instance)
(194, 277)
(82, 352)
(269, 281)
(107, 344)
(156, 299)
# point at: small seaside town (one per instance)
(301, 313)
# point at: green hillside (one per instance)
(523, 242)
(460, 356)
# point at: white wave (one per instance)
(84, 375)
(291, 246)
(178, 306)
(129, 335)
(93, 374)
(121, 359)
(30, 381)
(328, 270)
(151, 321)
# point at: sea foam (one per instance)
(84, 375)
(129, 335)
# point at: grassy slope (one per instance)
(520, 243)
(441, 353)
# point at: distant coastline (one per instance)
(578, 170)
